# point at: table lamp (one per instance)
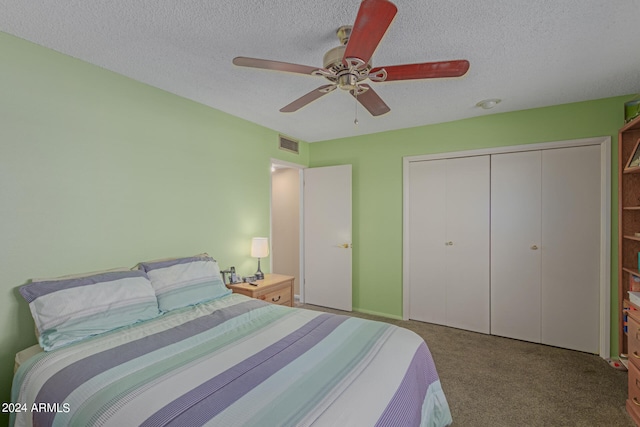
(259, 249)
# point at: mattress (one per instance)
(26, 354)
(235, 361)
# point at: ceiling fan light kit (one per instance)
(348, 66)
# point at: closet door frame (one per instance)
(605, 219)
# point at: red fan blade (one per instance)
(371, 101)
(427, 70)
(273, 65)
(307, 99)
(374, 17)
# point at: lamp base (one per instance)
(259, 274)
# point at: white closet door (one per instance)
(571, 247)
(449, 242)
(515, 245)
(427, 255)
(468, 247)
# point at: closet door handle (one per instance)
(534, 247)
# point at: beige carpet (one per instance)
(494, 381)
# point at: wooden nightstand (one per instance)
(275, 289)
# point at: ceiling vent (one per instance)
(288, 144)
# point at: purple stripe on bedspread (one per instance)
(405, 408)
(61, 384)
(204, 402)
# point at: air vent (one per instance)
(288, 144)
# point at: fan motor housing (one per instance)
(345, 76)
(333, 59)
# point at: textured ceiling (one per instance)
(527, 53)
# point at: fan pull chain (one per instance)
(355, 94)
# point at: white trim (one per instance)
(287, 164)
(511, 149)
(301, 190)
(605, 248)
(605, 219)
(302, 269)
(406, 289)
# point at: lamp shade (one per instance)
(259, 247)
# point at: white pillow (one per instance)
(71, 309)
(185, 281)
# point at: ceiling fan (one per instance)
(349, 65)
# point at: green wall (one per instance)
(377, 183)
(100, 171)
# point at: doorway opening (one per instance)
(286, 223)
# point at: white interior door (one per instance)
(327, 237)
(515, 245)
(467, 243)
(571, 248)
(427, 254)
(449, 242)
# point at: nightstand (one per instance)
(274, 288)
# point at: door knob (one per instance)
(345, 245)
(449, 243)
(534, 247)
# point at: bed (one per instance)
(233, 361)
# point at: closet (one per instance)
(508, 242)
(449, 245)
(545, 246)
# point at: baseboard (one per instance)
(376, 313)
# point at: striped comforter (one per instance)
(236, 361)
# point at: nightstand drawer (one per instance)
(279, 296)
(274, 289)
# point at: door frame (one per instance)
(300, 168)
(605, 219)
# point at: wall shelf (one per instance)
(628, 219)
(632, 271)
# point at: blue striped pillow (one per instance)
(66, 311)
(185, 281)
